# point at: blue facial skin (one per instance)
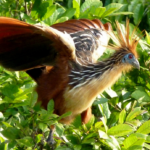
(130, 59)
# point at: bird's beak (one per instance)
(135, 63)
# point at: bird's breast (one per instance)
(79, 99)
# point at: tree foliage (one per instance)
(121, 113)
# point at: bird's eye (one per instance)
(130, 56)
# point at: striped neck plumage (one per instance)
(84, 74)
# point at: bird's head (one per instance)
(125, 46)
(130, 59)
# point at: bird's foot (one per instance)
(50, 141)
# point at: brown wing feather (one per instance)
(24, 46)
(90, 37)
(74, 25)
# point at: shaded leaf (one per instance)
(50, 106)
(26, 141)
(140, 94)
(11, 133)
(138, 13)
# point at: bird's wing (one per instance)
(90, 37)
(75, 25)
(24, 46)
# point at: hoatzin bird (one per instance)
(62, 59)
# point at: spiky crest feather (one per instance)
(122, 39)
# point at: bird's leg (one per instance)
(86, 115)
(50, 139)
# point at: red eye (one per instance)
(130, 56)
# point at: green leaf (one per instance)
(147, 145)
(111, 8)
(111, 93)
(106, 110)
(69, 13)
(144, 128)
(104, 119)
(1, 117)
(147, 37)
(35, 7)
(99, 11)
(9, 90)
(73, 138)
(65, 115)
(21, 94)
(12, 144)
(76, 5)
(63, 148)
(100, 101)
(98, 125)
(122, 116)
(90, 135)
(50, 106)
(11, 133)
(27, 18)
(141, 95)
(77, 122)
(147, 139)
(88, 3)
(42, 126)
(138, 13)
(103, 135)
(114, 5)
(59, 129)
(26, 141)
(108, 12)
(6, 124)
(33, 99)
(88, 141)
(134, 113)
(120, 130)
(114, 117)
(132, 5)
(63, 19)
(90, 122)
(136, 147)
(88, 7)
(113, 143)
(121, 13)
(134, 139)
(134, 122)
(77, 147)
(39, 138)
(52, 19)
(3, 146)
(50, 11)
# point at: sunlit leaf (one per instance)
(120, 130)
(144, 128)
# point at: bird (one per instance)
(62, 59)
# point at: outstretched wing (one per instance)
(32, 47)
(24, 46)
(90, 37)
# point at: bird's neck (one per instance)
(108, 70)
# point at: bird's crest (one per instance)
(123, 40)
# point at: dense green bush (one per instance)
(121, 114)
